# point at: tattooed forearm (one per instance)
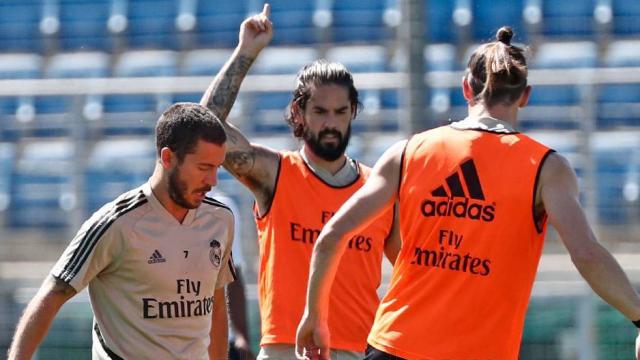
(240, 163)
(223, 90)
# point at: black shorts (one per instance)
(374, 354)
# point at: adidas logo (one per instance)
(156, 257)
(460, 208)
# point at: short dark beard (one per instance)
(328, 152)
(177, 189)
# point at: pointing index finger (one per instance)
(266, 10)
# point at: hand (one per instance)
(256, 32)
(638, 346)
(312, 340)
(243, 348)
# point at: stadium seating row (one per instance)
(34, 25)
(551, 106)
(38, 190)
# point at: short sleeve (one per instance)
(92, 250)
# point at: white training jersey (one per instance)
(151, 279)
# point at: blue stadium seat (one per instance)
(152, 24)
(555, 106)
(272, 100)
(7, 157)
(218, 22)
(143, 63)
(75, 65)
(439, 19)
(491, 15)
(19, 25)
(293, 21)
(284, 60)
(78, 65)
(41, 185)
(359, 21)
(137, 113)
(554, 95)
(377, 145)
(83, 24)
(20, 66)
(625, 17)
(623, 53)
(14, 108)
(440, 57)
(437, 57)
(269, 109)
(146, 63)
(109, 176)
(356, 148)
(566, 55)
(616, 154)
(619, 104)
(563, 19)
(206, 62)
(360, 58)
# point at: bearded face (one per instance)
(328, 144)
(178, 190)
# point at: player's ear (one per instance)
(297, 112)
(167, 157)
(524, 99)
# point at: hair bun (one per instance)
(504, 35)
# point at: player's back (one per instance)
(470, 248)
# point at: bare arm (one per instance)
(393, 243)
(377, 195)
(559, 195)
(238, 315)
(37, 317)
(255, 166)
(219, 334)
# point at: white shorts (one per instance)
(288, 352)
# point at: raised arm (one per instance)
(253, 165)
(377, 195)
(37, 317)
(558, 192)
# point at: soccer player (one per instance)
(475, 197)
(297, 192)
(156, 259)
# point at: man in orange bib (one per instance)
(297, 192)
(474, 200)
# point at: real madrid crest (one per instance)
(215, 254)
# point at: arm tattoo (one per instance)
(223, 91)
(240, 163)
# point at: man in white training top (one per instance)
(156, 259)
